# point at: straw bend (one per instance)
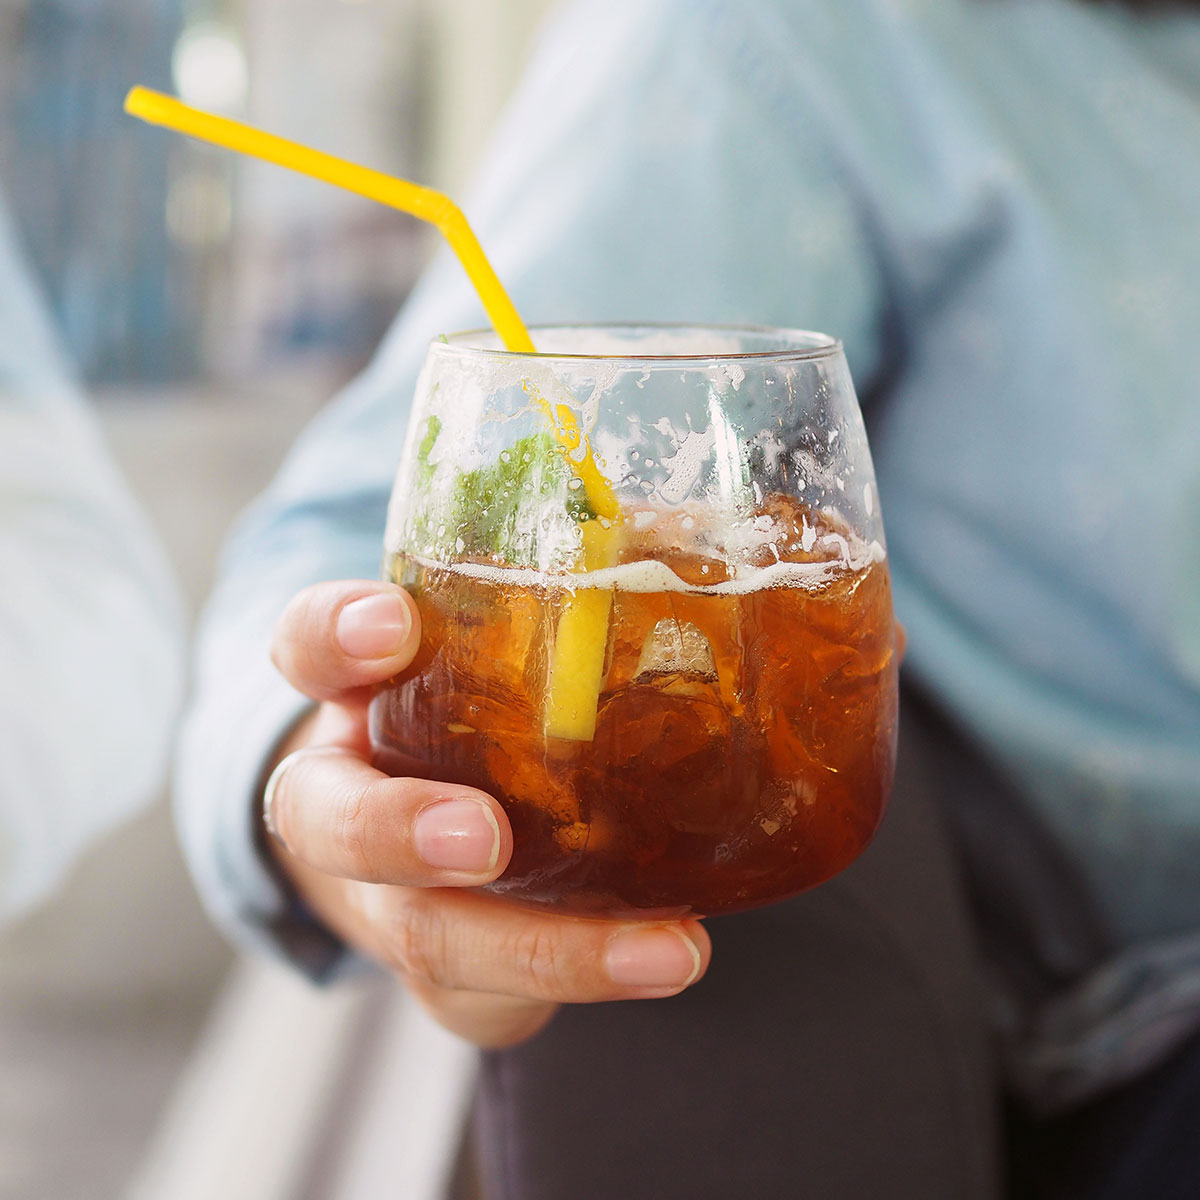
(425, 203)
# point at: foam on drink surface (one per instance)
(651, 576)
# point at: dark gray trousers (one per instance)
(835, 1050)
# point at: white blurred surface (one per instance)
(103, 990)
(299, 1094)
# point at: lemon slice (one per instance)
(581, 644)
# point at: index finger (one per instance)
(338, 637)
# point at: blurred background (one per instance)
(212, 305)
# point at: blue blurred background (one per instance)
(167, 261)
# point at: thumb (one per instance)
(335, 638)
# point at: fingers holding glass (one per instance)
(339, 815)
(336, 638)
(453, 941)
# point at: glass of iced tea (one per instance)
(656, 615)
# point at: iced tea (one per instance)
(745, 733)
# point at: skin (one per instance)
(390, 864)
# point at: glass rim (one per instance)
(811, 345)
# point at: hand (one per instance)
(387, 863)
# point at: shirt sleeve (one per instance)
(90, 621)
(662, 161)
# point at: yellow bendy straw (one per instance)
(581, 636)
(438, 209)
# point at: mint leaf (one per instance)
(498, 508)
(425, 469)
(521, 509)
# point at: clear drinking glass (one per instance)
(669, 650)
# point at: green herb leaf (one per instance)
(497, 509)
(425, 469)
(519, 508)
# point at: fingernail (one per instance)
(652, 958)
(268, 803)
(373, 627)
(458, 835)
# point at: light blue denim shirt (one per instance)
(996, 205)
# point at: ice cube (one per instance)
(666, 762)
(676, 648)
(521, 776)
